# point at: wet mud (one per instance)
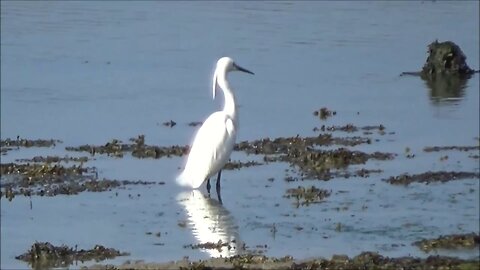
(365, 260)
(455, 241)
(44, 255)
(430, 177)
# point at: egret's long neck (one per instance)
(230, 106)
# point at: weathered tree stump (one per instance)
(445, 58)
(445, 71)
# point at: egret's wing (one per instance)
(210, 149)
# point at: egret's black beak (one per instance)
(239, 68)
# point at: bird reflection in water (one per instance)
(211, 224)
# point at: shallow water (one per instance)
(86, 72)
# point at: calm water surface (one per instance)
(88, 72)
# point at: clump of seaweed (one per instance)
(319, 164)
(306, 196)
(47, 179)
(210, 245)
(45, 255)
(138, 149)
(323, 113)
(10, 144)
(53, 159)
(455, 241)
(19, 142)
(365, 260)
(235, 165)
(430, 177)
(446, 148)
(284, 145)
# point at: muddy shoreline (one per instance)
(46, 255)
(365, 260)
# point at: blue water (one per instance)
(87, 72)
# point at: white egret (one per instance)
(215, 139)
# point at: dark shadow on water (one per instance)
(211, 224)
(444, 90)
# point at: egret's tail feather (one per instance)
(188, 179)
(183, 180)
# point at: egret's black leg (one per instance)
(208, 186)
(218, 179)
(219, 196)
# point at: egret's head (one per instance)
(225, 65)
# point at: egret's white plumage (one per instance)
(215, 139)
